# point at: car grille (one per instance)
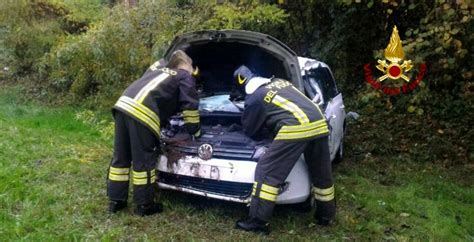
(219, 152)
(226, 188)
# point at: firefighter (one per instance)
(299, 127)
(147, 102)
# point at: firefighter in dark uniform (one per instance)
(147, 102)
(299, 127)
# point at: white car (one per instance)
(221, 163)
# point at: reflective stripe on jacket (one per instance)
(157, 95)
(285, 110)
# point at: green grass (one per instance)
(52, 187)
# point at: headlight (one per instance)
(259, 152)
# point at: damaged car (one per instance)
(221, 163)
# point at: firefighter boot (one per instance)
(253, 225)
(115, 206)
(148, 209)
(325, 212)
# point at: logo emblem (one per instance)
(205, 151)
(241, 81)
(394, 67)
(394, 54)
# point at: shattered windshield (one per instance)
(219, 103)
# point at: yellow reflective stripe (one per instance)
(119, 171)
(326, 194)
(254, 188)
(141, 108)
(191, 120)
(267, 196)
(303, 127)
(291, 107)
(139, 111)
(141, 95)
(191, 116)
(141, 177)
(114, 177)
(314, 104)
(300, 135)
(143, 181)
(190, 113)
(325, 191)
(140, 116)
(267, 192)
(198, 133)
(270, 189)
(140, 174)
(324, 198)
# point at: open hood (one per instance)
(218, 53)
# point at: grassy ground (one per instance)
(52, 187)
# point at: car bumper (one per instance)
(225, 179)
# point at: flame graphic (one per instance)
(394, 51)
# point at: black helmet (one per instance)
(242, 75)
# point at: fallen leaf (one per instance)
(440, 131)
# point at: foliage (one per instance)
(90, 118)
(33, 27)
(256, 17)
(115, 51)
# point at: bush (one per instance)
(98, 65)
(33, 27)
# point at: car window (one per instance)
(322, 78)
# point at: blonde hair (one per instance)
(180, 58)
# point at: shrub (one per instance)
(98, 65)
(33, 27)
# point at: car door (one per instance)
(320, 87)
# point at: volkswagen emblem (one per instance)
(205, 151)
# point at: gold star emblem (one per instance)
(394, 54)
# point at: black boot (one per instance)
(253, 225)
(115, 206)
(148, 209)
(325, 212)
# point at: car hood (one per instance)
(269, 44)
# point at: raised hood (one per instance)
(218, 53)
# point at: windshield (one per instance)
(219, 103)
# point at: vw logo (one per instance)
(205, 151)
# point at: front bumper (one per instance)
(225, 179)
